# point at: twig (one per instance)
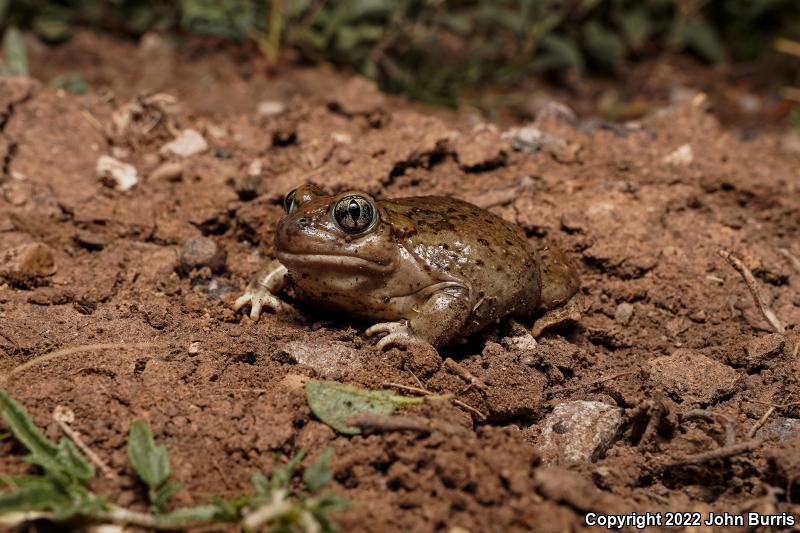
(65, 416)
(775, 405)
(719, 453)
(69, 351)
(594, 382)
(469, 408)
(750, 281)
(730, 429)
(425, 392)
(372, 423)
(793, 260)
(277, 507)
(761, 421)
(464, 374)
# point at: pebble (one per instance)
(782, 429)
(190, 142)
(271, 108)
(624, 313)
(201, 252)
(90, 240)
(531, 140)
(764, 347)
(580, 431)
(169, 171)
(114, 173)
(707, 382)
(329, 360)
(682, 156)
(29, 260)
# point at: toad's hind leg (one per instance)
(559, 278)
(438, 321)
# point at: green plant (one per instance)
(59, 491)
(435, 50)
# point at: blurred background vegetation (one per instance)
(433, 50)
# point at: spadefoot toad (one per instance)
(429, 269)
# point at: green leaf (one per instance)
(4, 10)
(260, 483)
(603, 45)
(699, 37)
(39, 493)
(51, 28)
(636, 25)
(319, 474)
(334, 403)
(42, 496)
(63, 462)
(559, 53)
(14, 53)
(71, 82)
(72, 461)
(150, 462)
(165, 492)
(282, 475)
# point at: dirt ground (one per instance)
(140, 284)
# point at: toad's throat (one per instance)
(298, 260)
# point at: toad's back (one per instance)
(453, 239)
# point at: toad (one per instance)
(429, 270)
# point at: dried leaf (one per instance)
(334, 403)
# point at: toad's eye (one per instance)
(288, 202)
(354, 213)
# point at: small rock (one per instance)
(271, 108)
(764, 347)
(194, 348)
(169, 171)
(531, 140)
(556, 112)
(523, 343)
(623, 313)
(255, 168)
(683, 156)
(201, 252)
(692, 378)
(358, 96)
(579, 431)
(116, 174)
(782, 429)
(329, 360)
(30, 260)
(190, 142)
(90, 240)
(17, 193)
(483, 148)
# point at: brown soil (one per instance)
(669, 325)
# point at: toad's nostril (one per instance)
(303, 222)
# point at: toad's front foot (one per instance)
(259, 292)
(397, 334)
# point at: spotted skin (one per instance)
(429, 269)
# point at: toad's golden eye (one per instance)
(354, 213)
(288, 202)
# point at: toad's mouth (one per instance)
(299, 260)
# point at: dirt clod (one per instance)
(707, 383)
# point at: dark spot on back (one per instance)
(508, 242)
(483, 241)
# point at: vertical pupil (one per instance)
(355, 210)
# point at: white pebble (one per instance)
(117, 174)
(188, 143)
